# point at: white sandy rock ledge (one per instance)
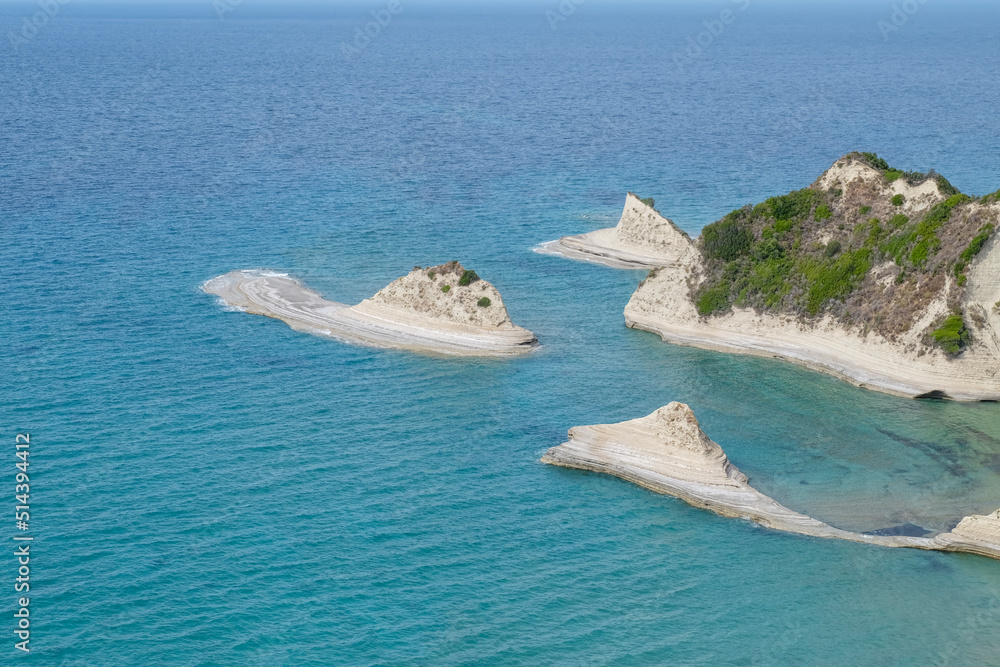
(425, 311)
(667, 452)
(643, 239)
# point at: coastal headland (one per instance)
(445, 309)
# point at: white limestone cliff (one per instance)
(642, 239)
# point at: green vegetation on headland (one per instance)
(952, 335)
(848, 255)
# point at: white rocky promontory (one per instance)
(903, 364)
(443, 309)
(643, 239)
(667, 452)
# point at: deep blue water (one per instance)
(214, 488)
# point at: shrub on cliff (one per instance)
(952, 336)
(446, 289)
(835, 279)
(648, 202)
(714, 299)
(468, 277)
(793, 205)
(898, 200)
(874, 160)
(978, 242)
(971, 251)
(727, 239)
(484, 302)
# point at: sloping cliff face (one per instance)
(667, 452)
(642, 239)
(884, 278)
(447, 292)
(643, 228)
(445, 309)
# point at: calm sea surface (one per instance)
(210, 487)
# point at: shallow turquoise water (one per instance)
(215, 488)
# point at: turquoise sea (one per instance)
(213, 488)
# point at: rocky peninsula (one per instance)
(643, 239)
(443, 309)
(887, 279)
(667, 452)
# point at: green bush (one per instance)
(897, 245)
(484, 302)
(920, 252)
(823, 212)
(875, 161)
(898, 221)
(952, 335)
(898, 200)
(978, 242)
(431, 275)
(832, 248)
(446, 288)
(468, 277)
(893, 175)
(945, 187)
(835, 279)
(727, 240)
(864, 210)
(875, 233)
(714, 299)
(957, 199)
(793, 205)
(648, 202)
